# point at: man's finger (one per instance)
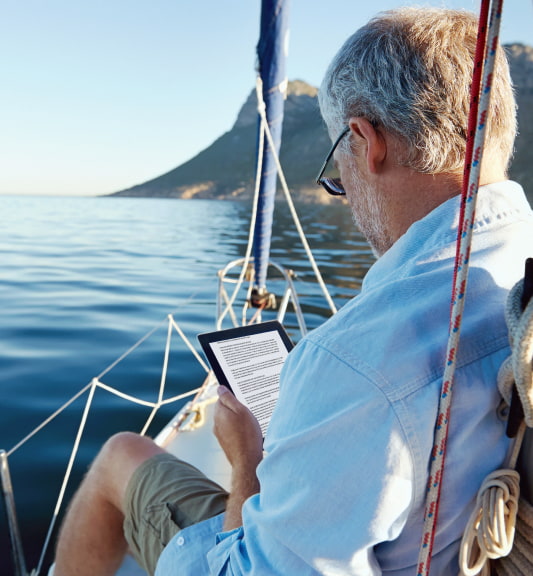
(227, 399)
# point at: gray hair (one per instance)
(409, 71)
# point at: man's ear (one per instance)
(370, 141)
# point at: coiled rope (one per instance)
(501, 526)
(517, 368)
(491, 529)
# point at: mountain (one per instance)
(521, 61)
(226, 168)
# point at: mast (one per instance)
(271, 54)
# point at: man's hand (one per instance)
(239, 435)
(237, 431)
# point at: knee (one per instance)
(118, 459)
(126, 449)
(123, 443)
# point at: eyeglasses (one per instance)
(332, 186)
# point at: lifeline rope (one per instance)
(91, 388)
(464, 239)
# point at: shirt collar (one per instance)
(501, 200)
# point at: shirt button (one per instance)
(180, 541)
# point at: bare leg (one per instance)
(91, 540)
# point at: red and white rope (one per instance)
(486, 49)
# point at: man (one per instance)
(341, 489)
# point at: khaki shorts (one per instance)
(163, 496)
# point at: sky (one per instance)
(99, 95)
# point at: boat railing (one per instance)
(185, 418)
(225, 301)
(89, 389)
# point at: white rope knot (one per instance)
(518, 368)
(490, 530)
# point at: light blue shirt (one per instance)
(344, 480)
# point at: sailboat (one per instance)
(251, 289)
(188, 435)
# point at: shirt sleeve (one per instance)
(336, 481)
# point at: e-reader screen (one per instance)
(248, 360)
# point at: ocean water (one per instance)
(83, 279)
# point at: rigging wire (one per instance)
(292, 209)
(253, 218)
(464, 239)
(265, 131)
